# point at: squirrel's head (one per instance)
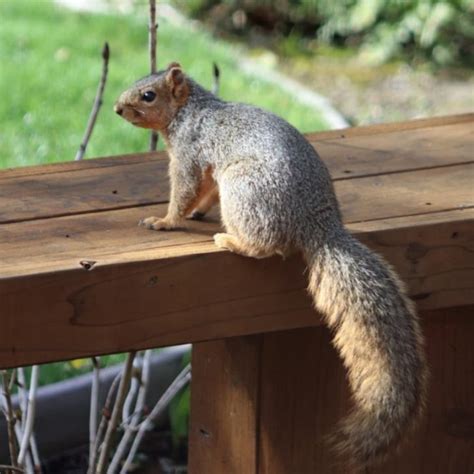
(153, 101)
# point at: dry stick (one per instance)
(134, 386)
(117, 410)
(33, 465)
(9, 415)
(131, 428)
(30, 415)
(94, 408)
(104, 421)
(97, 102)
(4, 467)
(179, 382)
(152, 27)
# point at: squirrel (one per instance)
(276, 197)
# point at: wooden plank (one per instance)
(372, 155)
(60, 243)
(304, 393)
(224, 406)
(65, 189)
(406, 194)
(431, 252)
(90, 163)
(81, 191)
(362, 199)
(382, 128)
(156, 301)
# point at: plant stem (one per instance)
(117, 410)
(30, 415)
(152, 27)
(9, 415)
(97, 103)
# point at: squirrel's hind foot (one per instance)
(235, 245)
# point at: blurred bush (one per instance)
(441, 31)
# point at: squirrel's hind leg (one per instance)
(234, 244)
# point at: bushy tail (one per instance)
(377, 334)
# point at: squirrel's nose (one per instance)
(118, 109)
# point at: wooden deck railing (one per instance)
(78, 277)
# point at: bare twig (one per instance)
(34, 464)
(152, 27)
(215, 79)
(5, 468)
(134, 386)
(94, 407)
(10, 417)
(30, 415)
(117, 410)
(131, 427)
(104, 421)
(179, 382)
(97, 102)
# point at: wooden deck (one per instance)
(79, 277)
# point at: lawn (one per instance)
(51, 66)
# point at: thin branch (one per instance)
(179, 382)
(10, 416)
(104, 421)
(215, 79)
(131, 428)
(152, 27)
(114, 419)
(134, 386)
(30, 415)
(94, 407)
(34, 464)
(97, 102)
(5, 468)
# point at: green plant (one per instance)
(441, 31)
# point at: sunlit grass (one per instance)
(50, 67)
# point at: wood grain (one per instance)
(223, 435)
(405, 150)
(152, 300)
(393, 127)
(304, 393)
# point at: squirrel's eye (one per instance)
(148, 96)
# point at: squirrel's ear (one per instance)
(175, 81)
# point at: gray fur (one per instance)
(276, 196)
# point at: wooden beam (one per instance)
(223, 435)
(211, 294)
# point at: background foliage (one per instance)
(441, 31)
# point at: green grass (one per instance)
(51, 64)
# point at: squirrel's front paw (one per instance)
(157, 223)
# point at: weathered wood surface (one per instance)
(302, 393)
(405, 189)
